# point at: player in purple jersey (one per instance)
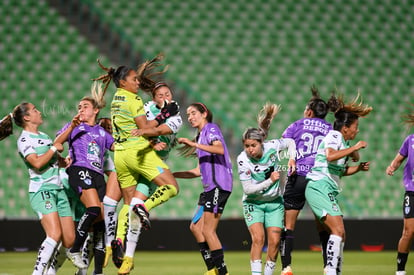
(87, 145)
(307, 133)
(406, 152)
(215, 169)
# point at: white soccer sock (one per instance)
(111, 217)
(333, 253)
(340, 259)
(269, 268)
(57, 260)
(134, 229)
(45, 254)
(87, 249)
(256, 267)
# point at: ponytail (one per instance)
(6, 124)
(150, 78)
(264, 120)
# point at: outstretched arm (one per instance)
(193, 173)
(395, 164)
(332, 154)
(215, 148)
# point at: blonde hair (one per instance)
(264, 121)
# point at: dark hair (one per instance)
(344, 118)
(159, 85)
(188, 151)
(149, 74)
(319, 107)
(203, 109)
(6, 124)
(113, 74)
(346, 114)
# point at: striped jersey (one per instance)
(47, 177)
(333, 170)
(253, 171)
(125, 107)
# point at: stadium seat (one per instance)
(233, 58)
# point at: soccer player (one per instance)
(406, 152)
(260, 175)
(214, 167)
(88, 143)
(134, 157)
(47, 196)
(307, 133)
(331, 163)
(163, 139)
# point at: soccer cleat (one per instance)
(76, 259)
(287, 271)
(117, 251)
(142, 213)
(127, 266)
(212, 271)
(108, 254)
(400, 273)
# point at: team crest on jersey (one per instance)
(335, 207)
(48, 205)
(248, 216)
(87, 181)
(406, 210)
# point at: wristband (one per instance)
(53, 148)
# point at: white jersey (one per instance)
(257, 186)
(47, 177)
(174, 123)
(333, 170)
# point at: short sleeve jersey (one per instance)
(407, 150)
(47, 177)
(307, 133)
(125, 107)
(174, 123)
(332, 170)
(87, 146)
(216, 170)
(254, 170)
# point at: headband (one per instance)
(202, 105)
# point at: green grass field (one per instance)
(190, 263)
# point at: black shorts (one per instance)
(214, 200)
(294, 195)
(408, 205)
(81, 178)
